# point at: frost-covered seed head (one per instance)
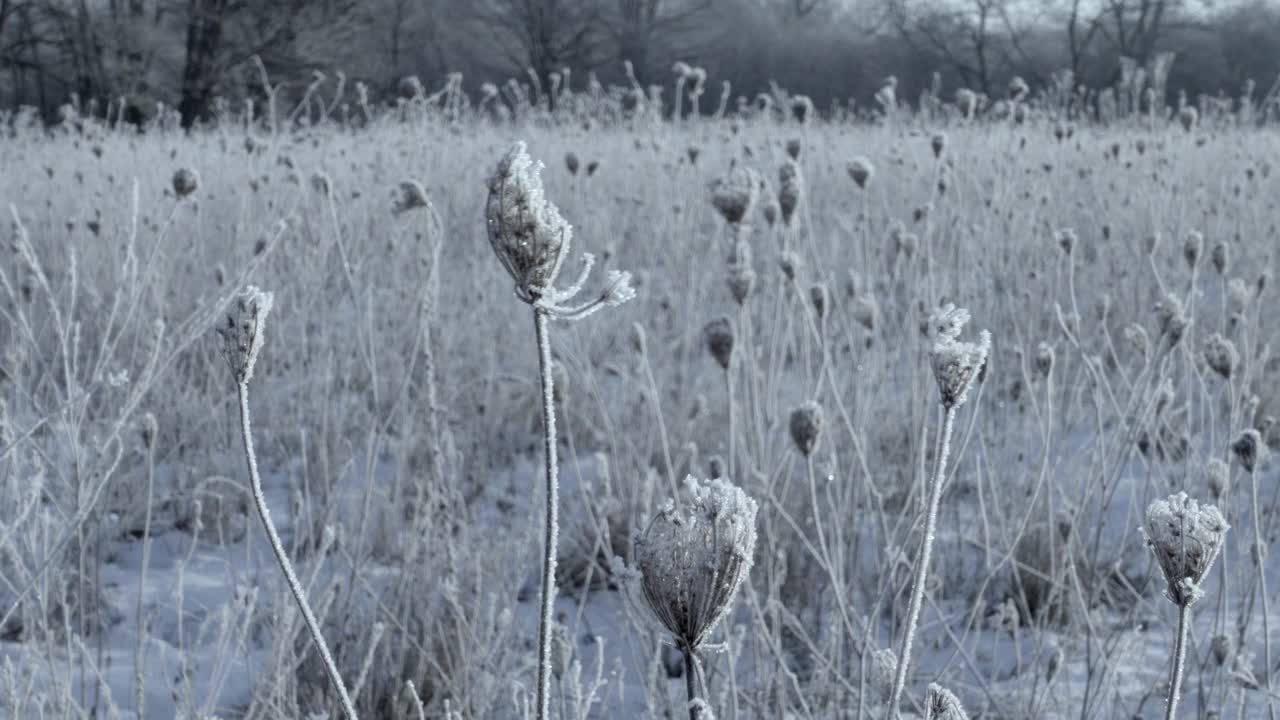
(715, 466)
(818, 297)
(718, 335)
(1172, 318)
(942, 704)
(1067, 240)
(1220, 256)
(806, 427)
(693, 559)
(1218, 474)
(526, 230)
(884, 666)
(185, 182)
(410, 196)
(790, 189)
(571, 162)
(1249, 449)
(789, 262)
(1220, 354)
(939, 143)
(1044, 358)
(244, 331)
(734, 195)
(1238, 295)
(1192, 247)
(1185, 538)
(741, 281)
(861, 170)
(793, 149)
(956, 365)
(1137, 337)
(1189, 117)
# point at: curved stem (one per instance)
(285, 566)
(922, 564)
(1179, 659)
(540, 323)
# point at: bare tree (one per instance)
(651, 32)
(542, 36)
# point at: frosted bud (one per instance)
(1249, 450)
(718, 335)
(861, 170)
(526, 230)
(941, 704)
(692, 559)
(806, 426)
(956, 365)
(1220, 354)
(244, 331)
(1185, 538)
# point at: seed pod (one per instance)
(185, 182)
(718, 335)
(956, 365)
(861, 170)
(1185, 538)
(244, 332)
(1220, 354)
(526, 230)
(806, 427)
(1249, 450)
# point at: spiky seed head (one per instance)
(571, 162)
(526, 230)
(185, 182)
(1220, 256)
(1192, 248)
(1044, 358)
(939, 143)
(718, 335)
(410, 195)
(1185, 538)
(806, 427)
(861, 170)
(734, 195)
(790, 189)
(693, 559)
(1220, 354)
(957, 365)
(942, 704)
(1249, 449)
(244, 331)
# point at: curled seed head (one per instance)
(1249, 449)
(1220, 256)
(741, 281)
(244, 331)
(526, 230)
(957, 366)
(790, 189)
(1185, 538)
(806, 427)
(718, 335)
(409, 196)
(735, 194)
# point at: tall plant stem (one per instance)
(1179, 659)
(1261, 556)
(691, 682)
(540, 323)
(285, 566)
(922, 563)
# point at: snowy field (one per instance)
(783, 335)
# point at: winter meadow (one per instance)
(586, 401)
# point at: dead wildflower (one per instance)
(718, 335)
(243, 332)
(1219, 256)
(789, 262)
(410, 196)
(1220, 354)
(806, 427)
(793, 148)
(861, 170)
(185, 182)
(819, 297)
(734, 195)
(1185, 538)
(526, 230)
(957, 365)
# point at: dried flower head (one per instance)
(1044, 358)
(185, 182)
(1185, 538)
(806, 427)
(719, 338)
(571, 162)
(1066, 240)
(244, 331)
(1221, 647)
(410, 196)
(819, 296)
(1219, 477)
(789, 262)
(1192, 248)
(734, 195)
(1249, 449)
(861, 170)
(1219, 256)
(1220, 354)
(741, 281)
(793, 148)
(526, 230)
(693, 559)
(939, 143)
(1172, 318)
(1189, 117)
(790, 189)
(956, 365)
(942, 704)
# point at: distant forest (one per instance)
(186, 54)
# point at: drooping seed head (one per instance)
(942, 704)
(806, 427)
(1249, 449)
(718, 335)
(693, 559)
(525, 229)
(1220, 354)
(956, 365)
(861, 170)
(1185, 538)
(244, 332)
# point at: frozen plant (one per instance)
(531, 240)
(1185, 538)
(242, 338)
(734, 195)
(942, 704)
(691, 561)
(957, 366)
